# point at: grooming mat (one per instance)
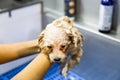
(52, 74)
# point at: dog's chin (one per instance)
(52, 61)
(57, 61)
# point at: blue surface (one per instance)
(53, 74)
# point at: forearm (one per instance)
(35, 70)
(13, 51)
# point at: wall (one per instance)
(88, 13)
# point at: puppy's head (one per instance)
(57, 38)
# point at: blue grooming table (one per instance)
(53, 74)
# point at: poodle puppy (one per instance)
(62, 42)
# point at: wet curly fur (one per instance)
(59, 40)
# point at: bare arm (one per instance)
(13, 51)
(35, 70)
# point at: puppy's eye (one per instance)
(63, 46)
(50, 47)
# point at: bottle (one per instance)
(105, 16)
(70, 9)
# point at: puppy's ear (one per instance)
(81, 39)
(76, 37)
(40, 40)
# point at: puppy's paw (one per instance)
(65, 72)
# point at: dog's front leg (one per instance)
(64, 71)
(75, 59)
(67, 66)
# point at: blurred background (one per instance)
(22, 20)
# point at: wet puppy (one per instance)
(61, 40)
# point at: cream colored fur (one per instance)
(61, 39)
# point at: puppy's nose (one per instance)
(57, 59)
